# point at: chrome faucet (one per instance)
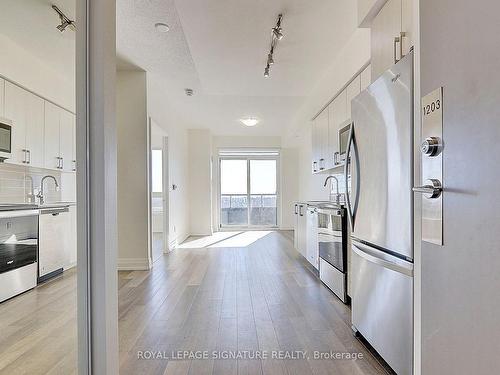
(40, 194)
(337, 194)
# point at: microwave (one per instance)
(343, 142)
(5, 139)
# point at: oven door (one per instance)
(331, 240)
(18, 239)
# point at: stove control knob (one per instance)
(432, 146)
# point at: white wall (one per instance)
(176, 129)
(133, 215)
(23, 68)
(200, 182)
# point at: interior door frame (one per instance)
(247, 227)
(165, 192)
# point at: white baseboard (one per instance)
(133, 264)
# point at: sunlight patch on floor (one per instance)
(224, 239)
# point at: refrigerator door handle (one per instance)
(380, 258)
(351, 210)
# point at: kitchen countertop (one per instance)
(33, 206)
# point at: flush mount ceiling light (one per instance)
(65, 21)
(162, 27)
(276, 35)
(249, 121)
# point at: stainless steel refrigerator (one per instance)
(380, 170)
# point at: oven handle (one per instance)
(19, 213)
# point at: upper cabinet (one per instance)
(352, 91)
(58, 138)
(326, 125)
(25, 110)
(391, 35)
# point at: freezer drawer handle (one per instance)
(404, 269)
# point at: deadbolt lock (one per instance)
(432, 146)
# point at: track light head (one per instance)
(266, 72)
(270, 60)
(278, 33)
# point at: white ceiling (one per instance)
(32, 25)
(219, 49)
(216, 47)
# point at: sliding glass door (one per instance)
(249, 191)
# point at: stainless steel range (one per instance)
(18, 249)
(332, 240)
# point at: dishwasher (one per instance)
(53, 230)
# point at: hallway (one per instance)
(258, 298)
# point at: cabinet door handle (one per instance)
(25, 158)
(296, 212)
(401, 36)
(74, 165)
(315, 169)
(396, 41)
(300, 210)
(29, 156)
(62, 163)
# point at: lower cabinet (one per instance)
(306, 233)
(312, 247)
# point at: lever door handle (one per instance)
(432, 190)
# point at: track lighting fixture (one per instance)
(276, 35)
(65, 21)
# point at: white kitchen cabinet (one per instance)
(315, 148)
(407, 25)
(301, 228)
(324, 161)
(59, 138)
(2, 97)
(16, 100)
(352, 91)
(35, 131)
(391, 35)
(296, 225)
(51, 136)
(385, 28)
(312, 246)
(66, 137)
(366, 77)
(26, 111)
(340, 109)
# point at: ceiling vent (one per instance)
(189, 92)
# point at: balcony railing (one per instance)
(236, 210)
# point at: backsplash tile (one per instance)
(18, 184)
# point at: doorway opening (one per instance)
(159, 189)
(249, 189)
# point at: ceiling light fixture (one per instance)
(189, 92)
(65, 21)
(250, 121)
(162, 27)
(276, 35)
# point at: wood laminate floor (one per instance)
(245, 292)
(230, 294)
